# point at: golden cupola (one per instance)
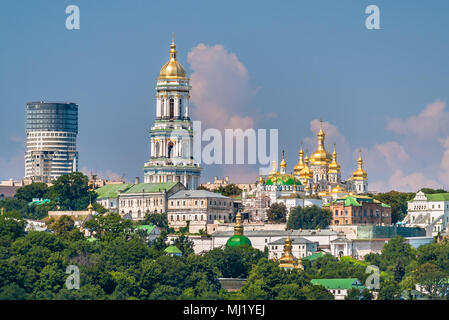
(334, 167)
(173, 69)
(287, 260)
(274, 170)
(320, 156)
(306, 173)
(359, 174)
(300, 165)
(283, 164)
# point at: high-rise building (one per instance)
(51, 130)
(172, 133)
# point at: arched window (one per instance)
(162, 107)
(170, 149)
(172, 108)
(180, 106)
(157, 149)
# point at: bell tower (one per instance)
(171, 137)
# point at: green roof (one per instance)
(385, 205)
(314, 256)
(151, 187)
(147, 227)
(347, 283)
(92, 239)
(39, 202)
(437, 196)
(172, 249)
(237, 240)
(283, 179)
(111, 190)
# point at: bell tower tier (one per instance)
(171, 137)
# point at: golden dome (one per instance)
(338, 189)
(334, 167)
(300, 165)
(260, 180)
(306, 173)
(320, 156)
(283, 163)
(172, 69)
(359, 174)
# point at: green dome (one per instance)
(283, 180)
(237, 240)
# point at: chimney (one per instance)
(137, 180)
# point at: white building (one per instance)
(199, 208)
(428, 211)
(171, 136)
(146, 198)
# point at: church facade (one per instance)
(171, 137)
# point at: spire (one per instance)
(334, 167)
(238, 228)
(283, 164)
(320, 156)
(173, 48)
(360, 174)
(300, 165)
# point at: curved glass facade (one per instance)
(42, 116)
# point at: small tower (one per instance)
(300, 165)
(334, 171)
(360, 177)
(287, 260)
(283, 164)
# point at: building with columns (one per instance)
(171, 137)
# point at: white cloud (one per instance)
(220, 88)
(411, 182)
(429, 123)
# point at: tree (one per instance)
(312, 217)
(158, 219)
(61, 226)
(34, 190)
(358, 294)
(229, 190)
(433, 281)
(277, 213)
(109, 226)
(389, 290)
(397, 201)
(71, 192)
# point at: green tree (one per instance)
(229, 190)
(277, 213)
(312, 217)
(71, 192)
(34, 190)
(397, 201)
(109, 226)
(358, 294)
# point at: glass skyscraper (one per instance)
(51, 130)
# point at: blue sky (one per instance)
(304, 60)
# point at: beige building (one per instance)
(145, 198)
(200, 208)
